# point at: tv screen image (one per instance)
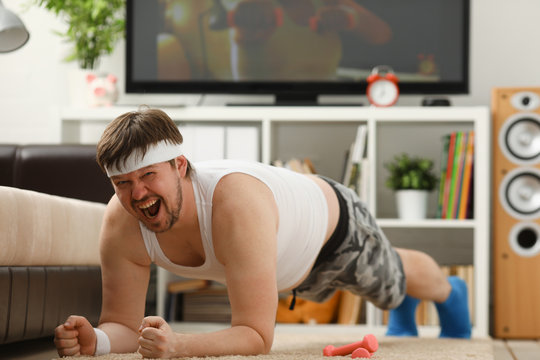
(295, 49)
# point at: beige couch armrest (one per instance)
(38, 229)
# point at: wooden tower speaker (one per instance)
(516, 212)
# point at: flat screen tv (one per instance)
(295, 49)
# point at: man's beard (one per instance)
(172, 215)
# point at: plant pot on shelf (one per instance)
(412, 204)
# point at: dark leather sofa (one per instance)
(35, 299)
(63, 170)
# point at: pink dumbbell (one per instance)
(361, 353)
(369, 343)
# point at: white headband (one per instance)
(156, 153)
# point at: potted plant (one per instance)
(94, 27)
(412, 178)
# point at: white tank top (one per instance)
(303, 220)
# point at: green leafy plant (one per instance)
(410, 173)
(94, 27)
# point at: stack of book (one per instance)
(456, 184)
(175, 293)
(207, 305)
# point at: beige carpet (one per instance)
(310, 346)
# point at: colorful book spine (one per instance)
(470, 199)
(444, 164)
(459, 181)
(453, 178)
(448, 179)
(467, 178)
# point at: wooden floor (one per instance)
(516, 349)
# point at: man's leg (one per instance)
(454, 311)
(402, 321)
(426, 281)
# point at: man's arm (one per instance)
(245, 232)
(245, 221)
(125, 274)
(125, 267)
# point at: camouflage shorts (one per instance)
(358, 257)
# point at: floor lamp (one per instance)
(13, 33)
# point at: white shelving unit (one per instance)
(324, 134)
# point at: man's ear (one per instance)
(181, 165)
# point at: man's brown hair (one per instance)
(135, 130)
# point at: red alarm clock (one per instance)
(382, 87)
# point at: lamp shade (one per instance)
(13, 33)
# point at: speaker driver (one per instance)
(525, 100)
(520, 193)
(524, 239)
(519, 138)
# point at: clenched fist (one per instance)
(157, 339)
(75, 336)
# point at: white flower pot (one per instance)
(412, 204)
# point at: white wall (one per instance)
(505, 51)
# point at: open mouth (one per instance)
(151, 208)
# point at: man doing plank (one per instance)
(256, 228)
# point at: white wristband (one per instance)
(103, 344)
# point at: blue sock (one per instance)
(402, 321)
(454, 311)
